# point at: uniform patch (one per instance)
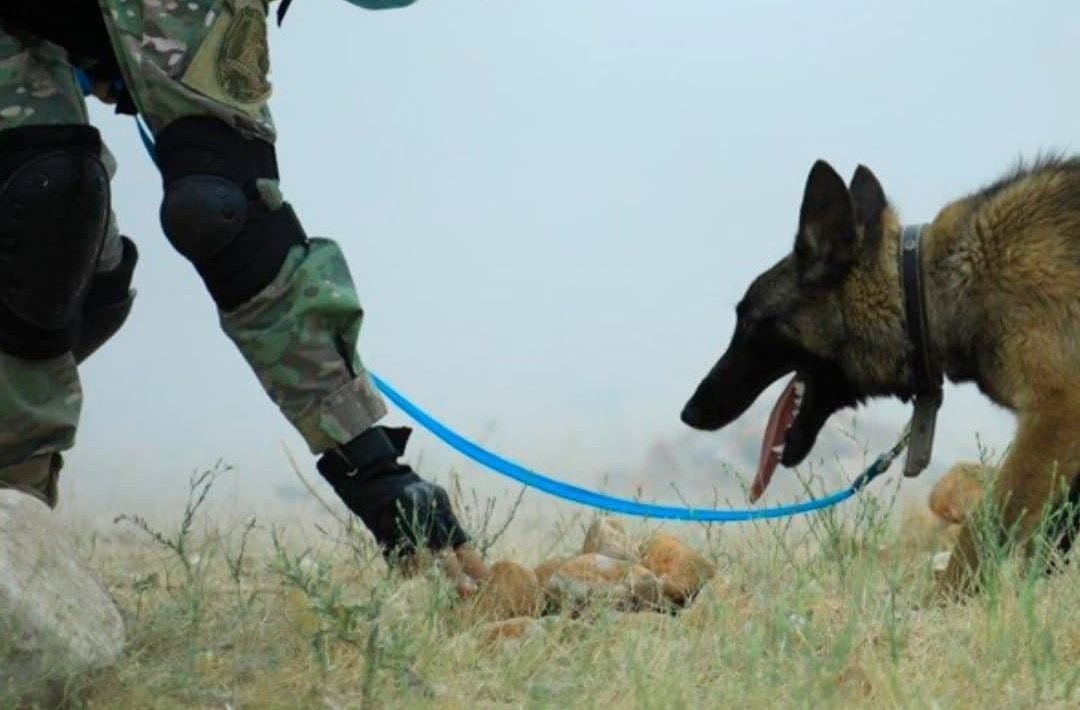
(244, 61)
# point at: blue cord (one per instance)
(573, 493)
(626, 506)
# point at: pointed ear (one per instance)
(868, 201)
(825, 244)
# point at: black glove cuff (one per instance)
(366, 456)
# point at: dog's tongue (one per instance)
(780, 420)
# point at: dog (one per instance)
(998, 274)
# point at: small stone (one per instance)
(584, 578)
(452, 567)
(545, 569)
(607, 537)
(55, 615)
(958, 492)
(464, 568)
(940, 562)
(472, 563)
(594, 567)
(682, 569)
(510, 590)
(518, 630)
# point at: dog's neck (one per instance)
(951, 340)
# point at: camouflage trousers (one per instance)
(189, 58)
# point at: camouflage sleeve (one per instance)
(300, 337)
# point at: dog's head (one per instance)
(792, 320)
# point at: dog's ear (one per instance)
(825, 244)
(868, 201)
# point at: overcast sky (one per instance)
(551, 207)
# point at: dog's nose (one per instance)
(691, 415)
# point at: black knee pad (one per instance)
(54, 209)
(213, 213)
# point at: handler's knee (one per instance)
(54, 203)
(221, 208)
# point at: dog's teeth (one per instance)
(800, 387)
(778, 449)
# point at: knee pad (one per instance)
(213, 212)
(54, 205)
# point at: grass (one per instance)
(824, 611)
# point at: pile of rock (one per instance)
(959, 491)
(661, 574)
(955, 496)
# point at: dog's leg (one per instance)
(1029, 480)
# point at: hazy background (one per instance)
(551, 207)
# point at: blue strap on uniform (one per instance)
(575, 494)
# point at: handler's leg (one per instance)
(198, 74)
(54, 208)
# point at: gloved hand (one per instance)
(403, 511)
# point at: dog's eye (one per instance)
(787, 329)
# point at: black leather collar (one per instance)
(926, 375)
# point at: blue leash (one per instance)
(575, 494)
(626, 506)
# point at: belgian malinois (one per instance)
(998, 280)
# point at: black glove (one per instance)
(403, 511)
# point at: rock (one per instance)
(646, 589)
(593, 567)
(510, 590)
(940, 562)
(452, 568)
(472, 563)
(607, 537)
(464, 567)
(519, 630)
(545, 569)
(958, 492)
(56, 617)
(682, 569)
(581, 579)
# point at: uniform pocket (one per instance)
(233, 62)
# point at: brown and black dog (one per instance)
(1000, 273)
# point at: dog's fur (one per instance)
(1002, 283)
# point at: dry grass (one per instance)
(823, 612)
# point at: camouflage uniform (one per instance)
(183, 58)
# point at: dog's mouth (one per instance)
(818, 387)
(806, 403)
(814, 392)
(774, 443)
